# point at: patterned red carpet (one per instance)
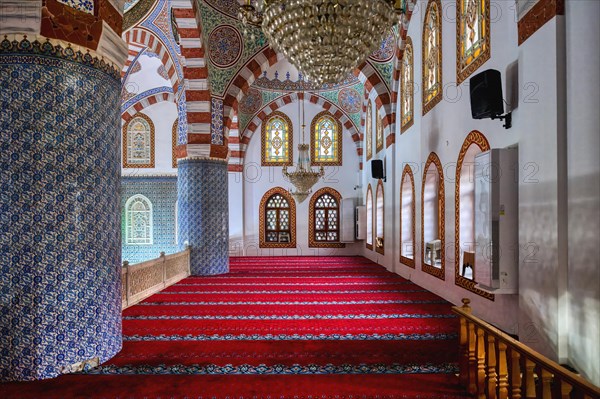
(278, 328)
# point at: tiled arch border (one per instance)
(434, 160)
(477, 138)
(262, 218)
(312, 243)
(408, 172)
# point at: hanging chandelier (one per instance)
(304, 177)
(324, 39)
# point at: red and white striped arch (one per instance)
(145, 103)
(141, 37)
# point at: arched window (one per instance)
(379, 218)
(473, 41)
(369, 208)
(379, 133)
(407, 87)
(324, 219)
(277, 219)
(138, 142)
(464, 202)
(407, 217)
(368, 131)
(432, 56)
(326, 145)
(432, 218)
(277, 140)
(138, 221)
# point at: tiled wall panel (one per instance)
(162, 193)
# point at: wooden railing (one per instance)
(494, 365)
(141, 280)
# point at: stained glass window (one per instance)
(368, 131)
(138, 143)
(138, 220)
(473, 41)
(276, 143)
(326, 145)
(379, 133)
(369, 203)
(277, 221)
(432, 56)
(406, 93)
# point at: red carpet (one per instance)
(278, 328)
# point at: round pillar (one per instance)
(203, 213)
(60, 234)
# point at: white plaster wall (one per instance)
(247, 191)
(583, 143)
(163, 115)
(443, 131)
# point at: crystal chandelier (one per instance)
(304, 177)
(324, 39)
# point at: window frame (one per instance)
(466, 67)
(434, 161)
(380, 248)
(405, 125)
(476, 138)
(125, 142)
(312, 240)
(428, 105)
(369, 130)
(128, 216)
(338, 140)
(263, 243)
(407, 172)
(369, 202)
(288, 142)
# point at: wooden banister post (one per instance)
(529, 381)
(164, 268)
(565, 390)
(502, 371)
(472, 359)
(515, 375)
(480, 364)
(546, 384)
(464, 353)
(491, 366)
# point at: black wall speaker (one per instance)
(377, 171)
(486, 94)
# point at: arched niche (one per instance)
(379, 219)
(432, 218)
(464, 213)
(369, 209)
(407, 217)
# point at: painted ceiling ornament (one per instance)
(225, 46)
(324, 39)
(386, 49)
(251, 102)
(350, 101)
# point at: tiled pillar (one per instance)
(60, 244)
(203, 213)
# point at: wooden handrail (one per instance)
(144, 279)
(488, 372)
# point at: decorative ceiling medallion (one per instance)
(251, 102)
(349, 99)
(386, 49)
(225, 46)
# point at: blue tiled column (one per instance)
(60, 243)
(203, 214)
